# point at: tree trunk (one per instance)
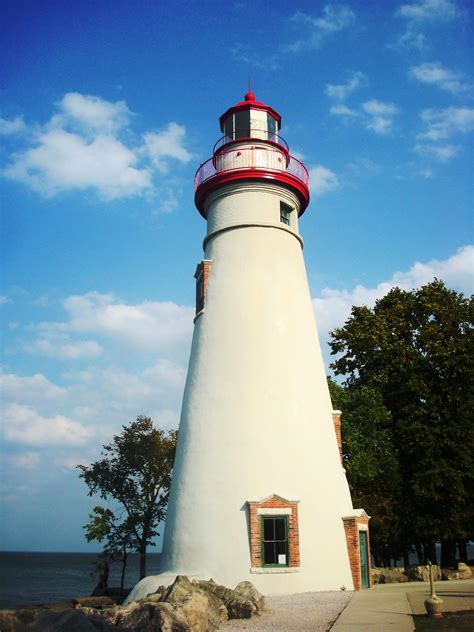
(376, 553)
(430, 553)
(124, 566)
(419, 553)
(406, 559)
(142, 552)
(462, 546)
(448, 553)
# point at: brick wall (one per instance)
(351, 527)
(273, 502)
(336, 418)
(202, 278)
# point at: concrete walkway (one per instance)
(389, 607)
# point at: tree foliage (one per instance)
(135, 470)
(117, 537)
(414, 352)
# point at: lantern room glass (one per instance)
(250, 124)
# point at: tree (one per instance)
(416, 350)
(371, 465)
(119, 539)
(135, 471)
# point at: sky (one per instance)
(107, 110)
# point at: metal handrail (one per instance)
(264, 158)
(271, 137)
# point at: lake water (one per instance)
(39, 578)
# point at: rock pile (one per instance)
(185, 606)
(419, 574)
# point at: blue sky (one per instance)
(107, 110)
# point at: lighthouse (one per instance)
(258, 491)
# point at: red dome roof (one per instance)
(250, 103)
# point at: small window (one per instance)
(242, 124)
(285, 213)
(272, 128)
(275, 550)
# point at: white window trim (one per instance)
(274, 511)
(264, 569)
(362, 527)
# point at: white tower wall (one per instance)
(256, 416)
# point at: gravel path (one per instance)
(304, 612)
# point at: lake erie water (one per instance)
(40, 578)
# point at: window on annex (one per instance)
(285, 213)
(274, 534)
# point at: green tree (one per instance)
(117, 537)
(416, 350)
(135, 470)
(371, 465)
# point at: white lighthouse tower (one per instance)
(258, 491)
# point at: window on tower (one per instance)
(274, 531)
(285, 213)
(274, 535)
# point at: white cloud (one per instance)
(91, 113)
(10, 127)
(62, 161)
(342, 110)
(322, 180)
(4, 299)
(419, 14)
(113, 394)
(411, 39)
(86, 145)
(428, 11)
(333, 307)
(168, 143)
(443, 153)
(58, 345)
(23, 424)
(333, 19)
(342, 91)
(445, 123)
(148, 324)
(381, 116)
(30, 388)
(435, 74)
(25, 460)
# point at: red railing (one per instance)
(264, 158)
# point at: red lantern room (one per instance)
(251, 149)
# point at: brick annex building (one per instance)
(258, 491)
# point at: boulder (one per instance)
(389, 575)
(185, 606)
(94, 602)
(465, 570)
(151, 617)
(9, 622)
(248, 590)
(68, 621)
(449, 574)
(422, 573)
(198, 607)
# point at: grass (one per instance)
(450, 622)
